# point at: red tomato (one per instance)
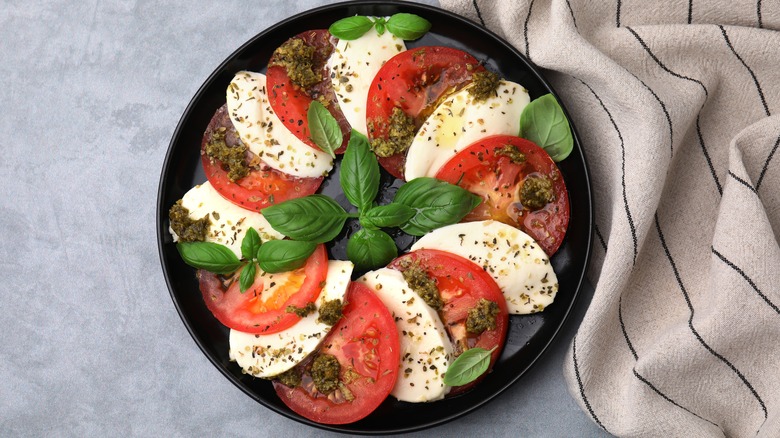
(261, 308)
(291, 103)
(415, 81)
(498, 180)
(462, 284)
(260, 188)
(365, 342)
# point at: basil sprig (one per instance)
(436, 203)
(351, 28)
(324, 129)
(408, 26)
(272, 257)
(284, 255)
(210, 256)
(420, 206)
(384, 216)
(405, 26)
(359, 175)
(471, 364)
(544, 123)
(314, 218)
(369, 249)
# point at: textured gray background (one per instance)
(91, 343)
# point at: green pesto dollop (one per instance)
(536, 192)
(422, 283)
(482, 317)
(291, 377)
(232, 157)
(301, 311)
(297, 58)
(512, 152)
(187, 229)
(400, 134)
(331, 312)
(485, 84)
(325, 371)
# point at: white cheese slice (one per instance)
(229, 222)
(426, 350)
(353, 66)
(459, 121)
(518, 264)
(265, 135)
(266, 356)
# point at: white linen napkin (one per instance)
(676, 104)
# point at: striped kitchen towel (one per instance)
(678, 108)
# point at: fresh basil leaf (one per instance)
(210, 256)
(250, 244)
(544, 123)
(370, 249)
(324, 129)
(359, 175)
(313, 218)
(408, 26)
(350, 28)
(436, 204)
(390, 215)
(380, 28)
(471, 364)
(247, 277)
(284, 255)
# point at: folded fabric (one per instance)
(675, 104)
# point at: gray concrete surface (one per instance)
(91, 343)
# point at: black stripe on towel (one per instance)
(642, 379)
(646, 382)
(690, 320)
(742, 181)
(758, 12)
(582, 388)
(749, 281)
(766, 164)
(661, 64)
(617, 15)
(690, 11)
(571, 11)
(601, 238)
(707, 157)
(666, 113)
(623, 167)
(479, 13)
(753, 75)
(525, 29)
(623, 328)
(706, 95)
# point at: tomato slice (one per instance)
(462, 284)
(262, 307)
(415, 81)
(261, 187)
(291, 102)
(365, 342)
(498, 181)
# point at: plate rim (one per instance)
(198, 96)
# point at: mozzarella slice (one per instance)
(266, 356)
(460, 121)
(518, 264)
(353, 66)
(229, 222)
(265, 135)
(426, 350)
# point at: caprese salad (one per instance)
(482, 192)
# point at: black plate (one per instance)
(528, 336)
